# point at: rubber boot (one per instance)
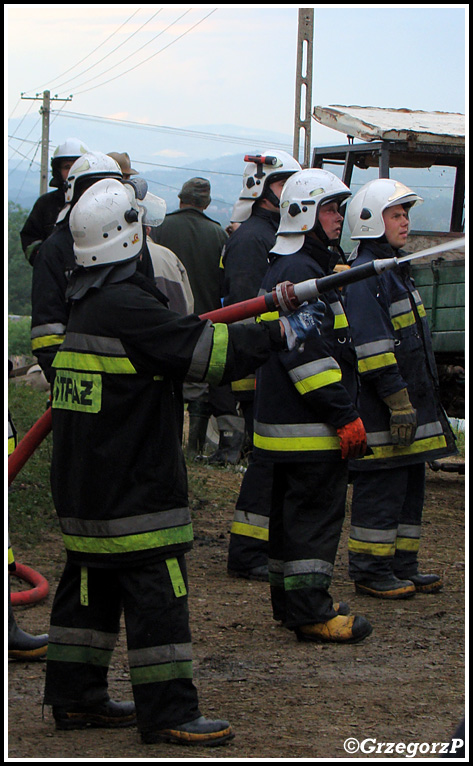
(104, 715)
(389, 588)
(21, 645)
(229, 448)
(199, 415)
(197, 433)
(201, 731)
(426, 583)
(338, 630)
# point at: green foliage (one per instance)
(19, 270)
(31, 512)
(19, 342)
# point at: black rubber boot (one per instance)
(426, 583)
(389, 588)
(21, 645)
(197, 433)
(198, 732)
(257, 573)
(199, 415)
(105, 715)
(229, 448)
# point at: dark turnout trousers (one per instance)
(85, 622)
(307, 512)
(386, 522)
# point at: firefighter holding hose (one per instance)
(307, 424)
(118, 476)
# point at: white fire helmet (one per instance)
(71, 150)
(261, 170)
(365, 211)
(302, 196)
(154, 210)
(106, 224)
(91, 165)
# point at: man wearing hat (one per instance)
(123, 159)
(198, 241)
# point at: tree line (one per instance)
(19, 270)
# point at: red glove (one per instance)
(352, 439)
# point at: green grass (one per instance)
(31, 512)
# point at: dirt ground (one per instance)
(284, 699)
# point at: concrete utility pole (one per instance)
(303, 108)
(45, 112)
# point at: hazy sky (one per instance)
(179, 66)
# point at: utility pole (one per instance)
(303, 107)
(45, 112)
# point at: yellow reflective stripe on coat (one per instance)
(244, 384)
(376, 362)
(340, 320)
(73, 360)
(295, 437)
(395, 450)
(218, 356)
(46, 340)
(316, 374)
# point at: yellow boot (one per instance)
(339, 630)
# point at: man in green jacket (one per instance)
(198, 242)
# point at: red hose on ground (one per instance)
(38, 592)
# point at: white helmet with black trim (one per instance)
(92, 166)
(365, 211)
(261, 171)
(303, 195)
(106, 225)
(71, 149)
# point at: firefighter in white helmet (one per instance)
(55, 261)
(307, 424)
(40, 222)
(118, 477)
(244, 263)
(399, 401)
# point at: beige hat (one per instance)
(123, 160)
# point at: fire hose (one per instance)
(285, 297)
(38, 592)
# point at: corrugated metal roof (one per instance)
(370, 123)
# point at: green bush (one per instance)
(19, 341)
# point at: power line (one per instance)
(185, 132)
(107, 55)
(190, 170)
(92, 52)
(150, 57)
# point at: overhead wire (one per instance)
(91, 53)
(185, 132)
(109, 54)
(149, 57)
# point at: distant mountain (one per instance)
(167, 157)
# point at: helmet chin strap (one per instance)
(319, 232)
(272, 198)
